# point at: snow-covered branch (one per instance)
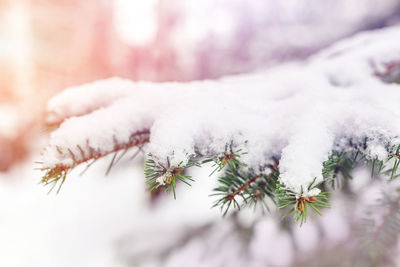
(297, 112)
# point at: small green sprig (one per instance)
(159, 175)
(300, 202)
(240, 188)
(227, 158)
(54, 176)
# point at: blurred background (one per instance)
(46, 46)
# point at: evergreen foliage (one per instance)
(239, 186)
(299, 203)
(159, 175)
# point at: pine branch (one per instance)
(228, 158)
(239, 187)
(300, 202)
(160, 175)
(239, 184)
(164, 175)
(58, 173)
(249, 187)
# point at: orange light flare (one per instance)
(17, 36)
(18, 105)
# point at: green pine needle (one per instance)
(299, 203)
(160, 175)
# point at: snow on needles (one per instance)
(299, 112)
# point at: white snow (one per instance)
(299, 111)
(72, 102)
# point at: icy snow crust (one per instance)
(300, 112)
